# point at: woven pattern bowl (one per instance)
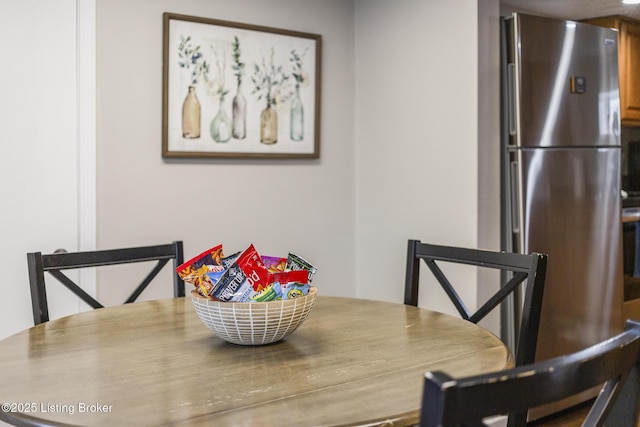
(253, 323)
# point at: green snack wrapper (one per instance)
(296, 262)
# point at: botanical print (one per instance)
(239, 91)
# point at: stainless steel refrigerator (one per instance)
(561, 175)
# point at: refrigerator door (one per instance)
(569, 205)
(565, 83)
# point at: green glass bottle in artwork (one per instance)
(239, 115)
(297, 118)
(220, 128)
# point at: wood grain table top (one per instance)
(353, 362)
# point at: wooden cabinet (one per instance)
(628, 64)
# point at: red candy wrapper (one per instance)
(243, 279)
(292, 284)
(195, 270)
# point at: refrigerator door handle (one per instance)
(514, 194)
(511, 98)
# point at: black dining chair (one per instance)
(520, 270)
(53, 264)
(527, 270)
(613, 365)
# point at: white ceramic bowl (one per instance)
(253, 323)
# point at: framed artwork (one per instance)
(239, 90)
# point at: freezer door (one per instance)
(564, 77)
(570, 210)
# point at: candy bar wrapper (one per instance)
(274, 264)
(292, 284)
(295, 262)
(228, 261)
(211, 256)
(246, 293)
(243, 279)
(271, 292)
(294, 290)
(232, 286)
(194, 271)
(214, 273)
(212, 276)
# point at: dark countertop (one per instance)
(631, 202)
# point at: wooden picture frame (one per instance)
(239, 90)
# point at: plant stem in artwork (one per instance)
(239, 104)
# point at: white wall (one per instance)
(304, 206)
(489, 147)
(416, 138)
(38, 165)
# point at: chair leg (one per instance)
(517, 419)
(412, 275)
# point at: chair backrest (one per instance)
(527, 270)
(613, 364)
(54, 263)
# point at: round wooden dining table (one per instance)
(353, 362)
